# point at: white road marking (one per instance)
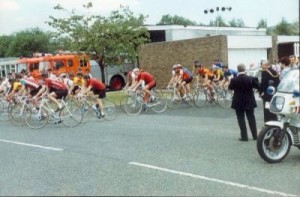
(32, 145)
(211, 179)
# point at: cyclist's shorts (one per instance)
(60, 93)
(101, 93)
(151, 85)
(189, 80)
(35, 91)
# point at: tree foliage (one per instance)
(24, 43)
(109, 38)
(4, 45)
(219, 22)
(175, 20)
(286, 28)
(236, 23)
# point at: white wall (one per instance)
(246, 56)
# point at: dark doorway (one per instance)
(158, 35)
(285, 49)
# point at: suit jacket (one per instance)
(243, 97)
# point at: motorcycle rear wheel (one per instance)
(267, 147)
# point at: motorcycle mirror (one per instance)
(271, 90)
(296, 93)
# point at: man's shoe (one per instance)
(244, 140)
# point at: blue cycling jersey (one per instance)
(230, 72)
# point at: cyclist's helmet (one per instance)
(87, 77)
(179, 66)
(197, 63)
(175, 66)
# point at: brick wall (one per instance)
(158, 58)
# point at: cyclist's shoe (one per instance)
(94, 107)
(59, 108)
(99, 115)
(58, 121)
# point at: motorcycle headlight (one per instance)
(277, 104)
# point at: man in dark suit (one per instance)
(244, 101)
(269, 77)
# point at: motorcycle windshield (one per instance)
(290, 82)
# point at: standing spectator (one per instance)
(269, 77)
(294, 61)
(285, 66)
(244, 101)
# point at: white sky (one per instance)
(17, 15)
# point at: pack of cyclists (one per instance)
(55, 88)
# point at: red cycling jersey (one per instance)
(147, 77)
(97, 85)
(57, 85)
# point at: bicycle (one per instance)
(202, 96)
(135, 104)
(86, 105)
(38, 117)
(224, 96)
(175, 99)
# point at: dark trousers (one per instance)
(240, 114)
(268, 116)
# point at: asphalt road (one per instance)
(183, 152)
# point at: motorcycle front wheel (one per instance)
(268, 146)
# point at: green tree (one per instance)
(219, 22)
(109, 40)
(26, 42)
(236, 23)
(262, 24)
(284, 28)
(4, 45)
(175, 20)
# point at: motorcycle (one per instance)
(276, 137)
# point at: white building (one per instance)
(247, 45)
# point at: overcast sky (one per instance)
(17, 15)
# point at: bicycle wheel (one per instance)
(71, 115)
(110, 109)
(87, 113)
(16, 114)
(4, 109)
(36, 119)
(173, 100)
(190, 99)
(159, 104)
(224, 98)
(123, 102)
(132, 106)
(200, 99)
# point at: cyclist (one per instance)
(148, 80)
(5, 86)
(130, 80)
(228, 75)
(16, 87)
(97, 88)
(30, 86)
(218, 75)
(205, 78)
(184, 79)
(66, 80)
(55, 90)
(78, 84)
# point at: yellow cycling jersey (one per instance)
(17, 86)
(218, 73)
(78, 81)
